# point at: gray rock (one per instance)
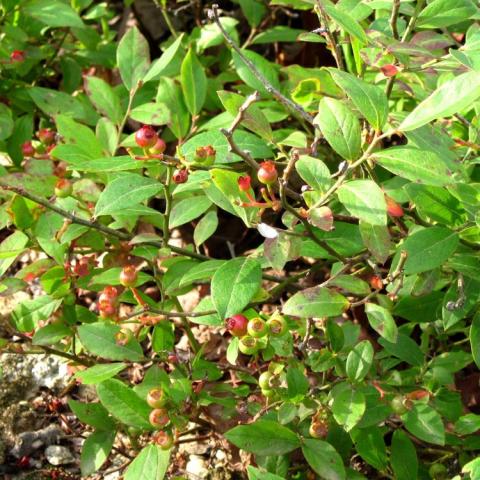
(27, 442)
(58, 455)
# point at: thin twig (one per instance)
(286, 102)
(394, 18)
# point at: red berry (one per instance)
(159, 417)
(376, 282)
(237, 325)
(180, 176)
(23, 462)
(389, 70)
(27, 149)
(17, 56)
(257, 327)
(107, 310)
(156, 398)
(318, 429)
(46, 136)
(393, 208)
(109, 293)
(163, 439)
(244, 183)
(63, 188)
(146, 137)
(128, 276)
(205, 155)
(267, 173)
(159, 147)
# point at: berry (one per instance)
(156, 398)
(264, 380)
(180, 175)
(318, 429)
(163, 439)
(393, 208)
(123, 337)
(237, 325)
(128, 276)
(277, 325)
(205, 155)
(109, 293)
(248, 345)
(27, 149)
(438, 471)
(389, 70)
(159, 417)
(321, 217)
(376, 282)
(159, 147)
(244, 183)
(257, 327)
(46, 136)
(17, 56)
(146, 137)
(63, 188)
(267, 173)
(266, 392)
(398, 404)
(23, 462)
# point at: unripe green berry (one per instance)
(257, 327)
(248, 345)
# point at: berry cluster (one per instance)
(254, 333)
(159, 418)
(267, 175)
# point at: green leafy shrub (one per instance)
(346, 303)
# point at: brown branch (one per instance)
(286, 102)
(394, 18)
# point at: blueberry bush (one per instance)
(267, 236)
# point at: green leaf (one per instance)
(124, 404)
(150, 464)
(27, 314)
(425, 423)
(340, 127)
(467, 424)
(344, 20)
(377, 239)
(257, 438)
(475, 339)
(429, 248)
(257, 474)
(94, 414)
(54, 103)
(314, 172)
(370, 100)
(253, 118)
(381, 321)
(105, 99)
(365, 200)
(194, 82)
(348, 408)
(234, 285)
(126, 191)
(262, 65)
(202, 271)
(50, 334)
(6, 122)
(80, 136)
(99, 339)
(359, 361)
(279, 33)
(205, 228)
(297, 382)
(323, 459)
(163, 65)
(403, 456)
(53, 13)
(170, 94)
(10, 248)
(316, 302)
(254, 11)
(95, 451)
(405, 349)
(443, 13)
(133, 58)
(451, 97)
(421, 166)
(151, 114)
(99, 373)
(188, 209)
(371, 447)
